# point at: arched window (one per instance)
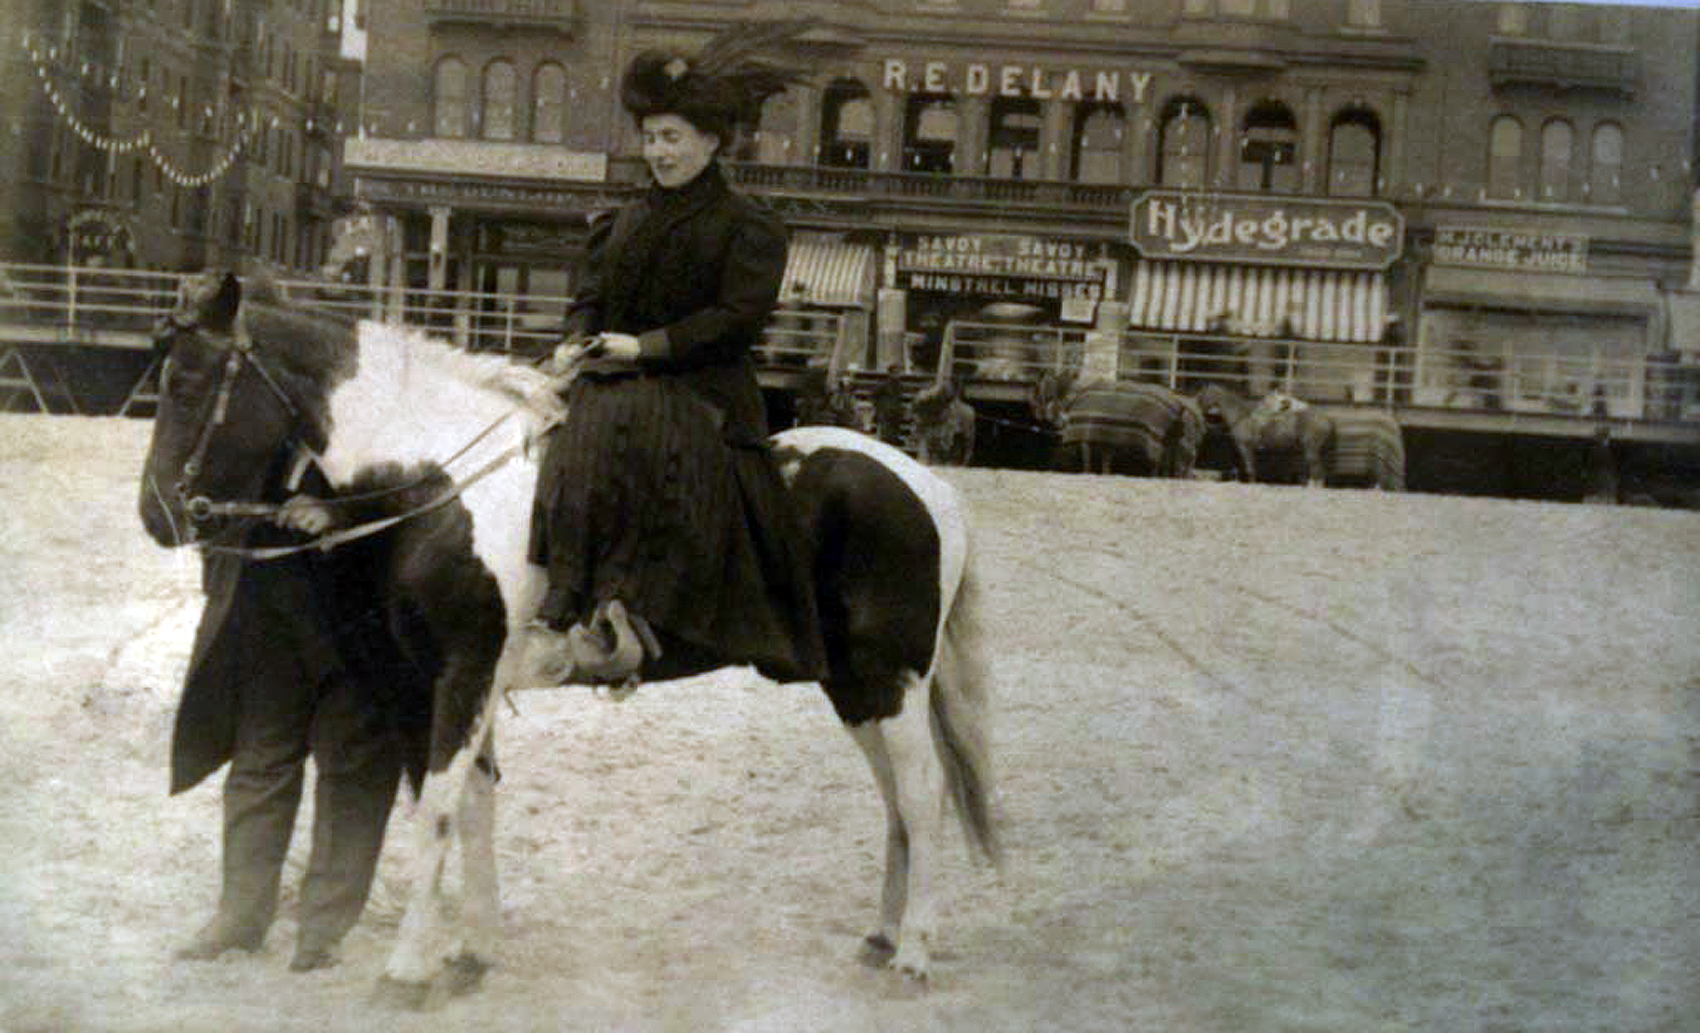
(448, 97)
(1505, 157)
(1183, 144)
(930, 134)
(1013, 142)
(548, 103)
(1095, 153)
(1354, 154)
(847, 125)
(1269, 149)
(776, 133)
(1557, 139)
(501, 90)
(1605, 169)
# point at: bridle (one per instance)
(200, 508)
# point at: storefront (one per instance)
(1262, 291)
(1000, 289)
(1517, 321)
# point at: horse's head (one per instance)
(1220, 405)
(223, 417)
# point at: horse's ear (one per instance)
(218, 312)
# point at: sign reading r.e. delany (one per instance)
(1258, 228)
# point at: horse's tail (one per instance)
(961, 714)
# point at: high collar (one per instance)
(709, 182)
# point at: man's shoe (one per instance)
(218, 936)
(309, 957)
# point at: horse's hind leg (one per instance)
(911, 783)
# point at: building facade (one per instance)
(1473, 210)
(172, 134)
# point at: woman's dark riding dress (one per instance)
(659, 489)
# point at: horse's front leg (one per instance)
(1245, 449)
(423, 949)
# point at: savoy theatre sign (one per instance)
(1262, 229)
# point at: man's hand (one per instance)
(615, 346)
(306, 514)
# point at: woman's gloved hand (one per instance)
(306, 514)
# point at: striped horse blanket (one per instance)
(1163, 426)
(1368, 449)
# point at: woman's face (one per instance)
(676, 150)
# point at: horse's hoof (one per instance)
(877, 951)
(464, 973)
(400, 994)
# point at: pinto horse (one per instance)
(428, 450)
(1279, 427)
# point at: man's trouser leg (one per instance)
(262, 793)
(359, 767)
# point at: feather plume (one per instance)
(738, 46)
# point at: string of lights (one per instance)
(45, 60)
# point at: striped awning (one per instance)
(828, 272)
(1323, 304)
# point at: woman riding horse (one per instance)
(660, 515)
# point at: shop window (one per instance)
(501, 89)
(1354, 154)
(1183, 144)
(1557, 139)
(1014, 138)
(1505, 156)
(847, 125)
(1096, 150)
(930, 134)
(1605, 167)
(1269, 149)
(548, 103)
(448, 98)
(1272, 9)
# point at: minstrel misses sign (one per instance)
(1258, 228)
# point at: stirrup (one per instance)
(610, 648)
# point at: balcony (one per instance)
(561, 16)
(1563, 66)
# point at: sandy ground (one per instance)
(1269, 759)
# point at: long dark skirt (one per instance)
(640, 499)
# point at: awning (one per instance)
(828, 272)
(1544, 292)
(1321, 304)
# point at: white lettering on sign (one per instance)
(1508, 249)
(1039, 82)
(1245, 227)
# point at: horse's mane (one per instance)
(489, 371)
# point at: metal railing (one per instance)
(1660, 388)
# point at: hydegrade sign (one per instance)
(1259, 228)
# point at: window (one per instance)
(1272, 9)
(501, 88)
(1605, 169)
(1183, 145)
(1513, 19)
(1109, 6)
(1505, 155)
(1354, 154)
(1095, 153)
(448, 97)
(778, 128)
(1013, 141)
(1363, 14)
(1556, 140)
(549, 103)
(847, 125)
(1269, 148)
(929, 134)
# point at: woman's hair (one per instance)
(718, 88)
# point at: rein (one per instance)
(200, 507)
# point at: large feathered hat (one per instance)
(721, 86)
